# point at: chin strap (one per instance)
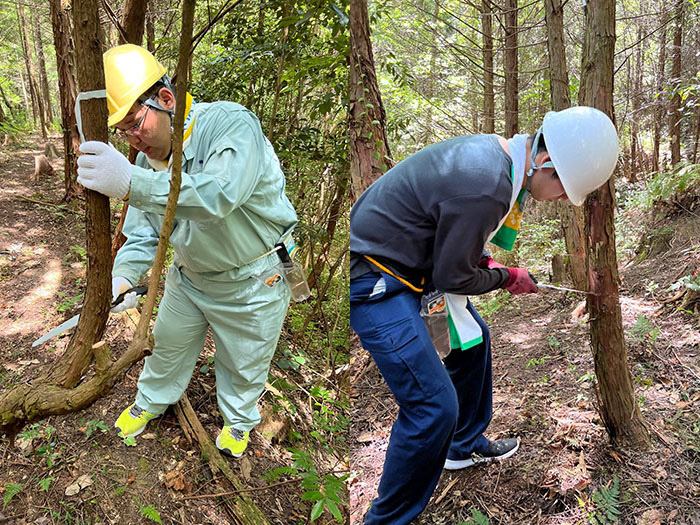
(533, 166)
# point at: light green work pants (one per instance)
(246, 320)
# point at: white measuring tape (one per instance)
(85, 95)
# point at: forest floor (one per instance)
(566, 471)
(74, 468)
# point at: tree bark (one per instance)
(617, 403)
(7, 102)
(487, 52)
(27, 102)
(674, 124)
(37, 103)
(510, 67)
(42, 69)
(63, 44)
(659, 104)
(278, 79)
(635, 146)
(572, 219)
(369, 150)
(133, 21)
(696, 138)
(93, 318)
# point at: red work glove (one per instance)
(488, 262)
(520, 281)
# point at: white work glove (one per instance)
(119, 285)
(104, 169)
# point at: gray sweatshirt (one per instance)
(429, 217)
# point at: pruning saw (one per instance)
(73, 321)
(562, 289)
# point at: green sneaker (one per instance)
(232, 441)
(132, 421)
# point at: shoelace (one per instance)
(236, 434)
(136, 411)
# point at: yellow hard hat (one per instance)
(130, 71)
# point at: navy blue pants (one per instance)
(443, 409)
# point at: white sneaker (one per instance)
(497, 450)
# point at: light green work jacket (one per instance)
(232, 207)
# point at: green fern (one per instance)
(11, 490)
(477, 519)
(607, 504)
(151, 513)
(279, 472)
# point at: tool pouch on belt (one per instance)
(293, 274)
(433, 310)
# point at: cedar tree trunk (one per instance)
(63, 44)
(487, 47)
(510, 67)
(572, 220)
(93, 317)
(617, 403)
(369, 151)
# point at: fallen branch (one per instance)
(242, 508)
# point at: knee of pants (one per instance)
(442, 410)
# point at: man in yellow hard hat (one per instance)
(232, 223)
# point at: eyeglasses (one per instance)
(135, 130)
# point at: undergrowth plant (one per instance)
(477, 519)
(603, 508)
(326, 492)
(11, 490)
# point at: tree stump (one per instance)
(42, 166)
(51, 151)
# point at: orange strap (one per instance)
(387, 270)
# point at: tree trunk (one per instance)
(696, 138)
(635, 147)
(63, 44)
(24, 95)
(278, 79)
(487, 47)
(37, 104)
(617, 403)
(659, 104)
(42, 69)
(558, 72)
(133, 21)
(7, 102)
(511, 67)
(150, 31)
(675, 80)
(572, 220)
(93, 317)
(369, 151)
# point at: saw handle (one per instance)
(140, 291)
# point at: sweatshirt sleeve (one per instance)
(136, 256)
(228, 177)
(463, 226)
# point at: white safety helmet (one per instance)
(583, 145)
